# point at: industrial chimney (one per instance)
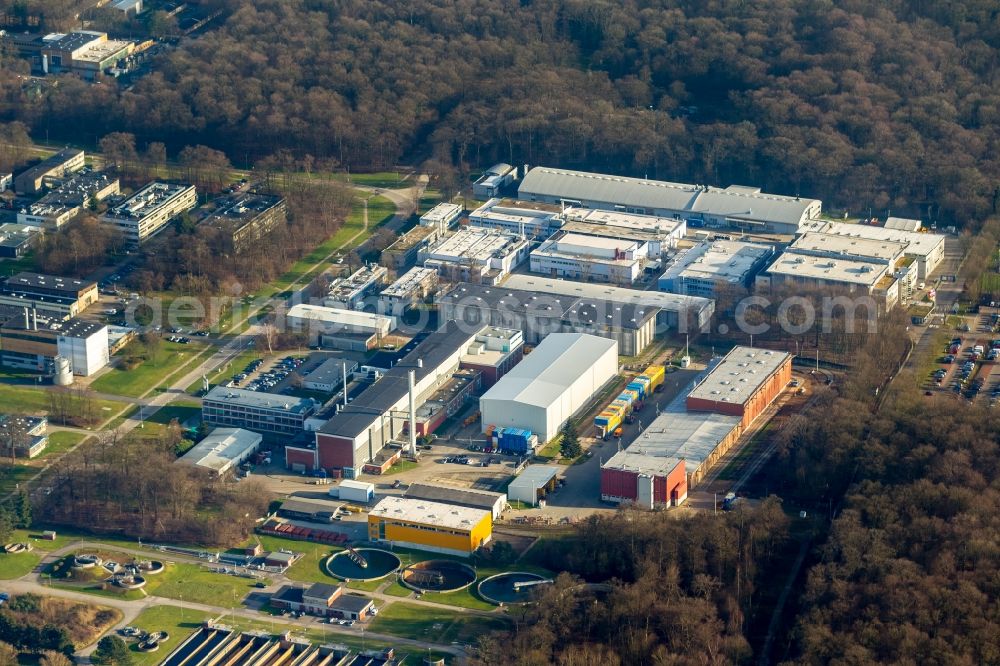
(34, 319)
(413, 411)
(27, 322)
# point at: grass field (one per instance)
(401, 466)
(390, 180)
(309, 568)
(149, 374)
(31, 400)
(182, 410)
(15, 565)
(433, 624)
(62, 441)
(191, 582)
(12, 475)
(178, 622)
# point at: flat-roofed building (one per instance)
(339, 328)
(432, 526)
(738, 206)
(744, 383)
(16, 240)
(350, 292)
(473, 498)
(442, 217)
(494, 181)
(703, 268)
(902, 224)
(30, 342)
(563, 373)
(270, 414)
(475, 255)
(538, 314)
(403, 253)
(848, 275)
(52, 296)
(591, 258)
(66, 161)
(409, 291)
(247, 218)
(324, 600)
(449, 399)
(660, 234)
(494, 352)
(90, 61)
(145, 213)
(926, 250)
(356, 435)
(835, 246)
(329, 375)
(649, 481)
(675, 311)
(222, 450)
(23, 436)
(524, 218)
(68, 198)
(533, 484)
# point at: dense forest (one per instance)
(888, 105)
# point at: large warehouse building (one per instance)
(926, 250)
(736, 206)
(704, 268)
(696, 430)
(557, 379)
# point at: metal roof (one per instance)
(917, 244)
(543, 303)
(902, 224)
(340, 316)
(260, 400)
(739, 374)
(378, 398)
(843, 269)
(620, 296)
(426, 512)
(221, 447)
(533, 477)
(25, 282)
(848, 246)
(727, 261)
(307, 505)
(482, 499)
(738, 202)
(545, 374)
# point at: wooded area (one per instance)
(883, 105)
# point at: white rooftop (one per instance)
(221, 447)
(441, 213)
(471, 243)
(613, 220)
(849, 246)
(738, 375)
(545, 374)
(902, 224)
(727, 261)
(515, 212)
(917, 244)
(534, 477)
(410, 280)
(427, 512)
(621, 295)
(846, 270)
(341, 316)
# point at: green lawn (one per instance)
(401, 466)
(178, 622)
(433, 624)
(31, 400)
(192, 582)
(389, 180)
(150, 373)
(309, 568)
(183, 410)
(397, 590)
(15, 565)
(9, 267)
(62, 441)
(12, 475)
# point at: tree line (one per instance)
(880, 107)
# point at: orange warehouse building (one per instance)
(744, 383)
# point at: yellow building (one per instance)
(433, 526)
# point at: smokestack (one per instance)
(343, 367)
(27, 322)
(413, 411)
(34, 319)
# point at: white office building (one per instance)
(660, 234)
(590, 258)
(147, 212)
(475, 255)
(536, 220)
(350, 292)
(339, 328)
(926, 250)
(408, 291)
(442, 217)
(700, 270)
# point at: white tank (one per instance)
(63, 375)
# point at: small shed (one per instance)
(533, 484)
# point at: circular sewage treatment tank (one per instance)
(499, 589)
(381, 563)
(438, 576)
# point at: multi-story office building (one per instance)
(146, 213)
(702, 269)
(67, 199)
(245, 219)
(66, 161)
(267, 413)
(32, 343)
